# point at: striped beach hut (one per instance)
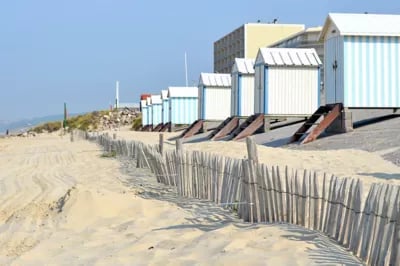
(156, 105)
(214, 96)
(145, 117)
(165, 106)
(287, 82)
(242, 93)
(149, 111)
(362, 60)
(183, 105)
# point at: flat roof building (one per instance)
(245, 41)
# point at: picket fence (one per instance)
(260, 193)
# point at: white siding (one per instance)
(234, 94)
(259, 89)
(216, 103)
(165, 111)
(246, 95)
(292, 91)
(145, 116)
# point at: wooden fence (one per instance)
(261, 193)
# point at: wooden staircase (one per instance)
(165, 127)
(193, 129)
(225, 128)
(328, 113)
(252, 124)
(146, 128)
(158, 127)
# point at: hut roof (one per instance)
(288, 57)
(215, 79)
(243, 66)
(363, 24)
(183, 92)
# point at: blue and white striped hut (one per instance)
(183, 105)
(242, 94)
(156, 104)
(149, 112)
(362, 60)
(165, 106)
(214, 96)
(145, 117)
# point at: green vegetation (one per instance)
(137, 123)
(85, 122)
(111, 154)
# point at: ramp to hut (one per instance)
(158, 127)
(250, 126)
(146, 128)
(225, 128)
(193, 129)
(165, 127)
(321, 119)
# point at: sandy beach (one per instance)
(61, 203)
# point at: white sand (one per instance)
(62, 204)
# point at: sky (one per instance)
(73, 51)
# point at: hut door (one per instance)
(334, 67)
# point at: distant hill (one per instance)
(25, 124)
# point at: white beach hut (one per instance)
(165, 106)
(287, 82)
(156, 104)
(145, 117)
(183, 105)
(242, 93)
(149, 112)
(214, 96)
(362, 55)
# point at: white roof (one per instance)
(180, 92)
(288, 57)
(363, 24)
(243, 66)
(164, 94)
(156, 99)
(143, 103)
(215, 79)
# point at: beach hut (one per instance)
(214, 96)
(156, 104)
(183, 105)
(242, 93)
(286, 82)
(362, 55)
(145, 117)
(149, 112)
(165, 106)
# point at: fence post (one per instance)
(114, 135)
(72, 136)
(179, 146)
(253, 173)
(161, 143)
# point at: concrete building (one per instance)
(286, 82)
(242, 93)
(214, 96)
(245, 41)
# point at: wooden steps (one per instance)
(165, 127)
(328, 113)
(193, 129)
(146, 128)
(252, 124)
(158, 127)
(225, 128)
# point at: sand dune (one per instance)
(61, 203)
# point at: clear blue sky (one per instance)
(75, 50)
